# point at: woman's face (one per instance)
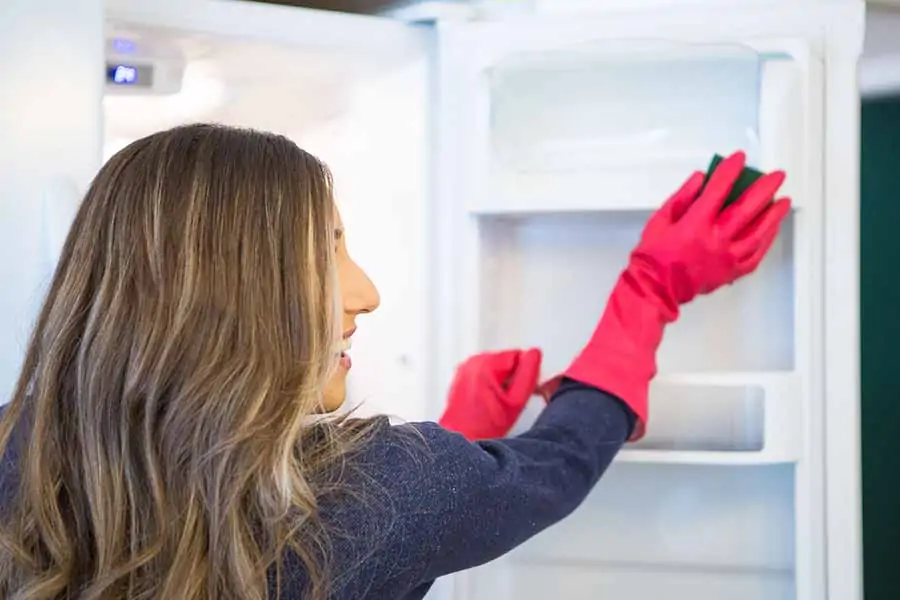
(358, 296)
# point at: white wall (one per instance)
(882, 31)
(879, 71)
(50, 136)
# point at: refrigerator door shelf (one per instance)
(741, 418)
(629, 189)
(725, 418)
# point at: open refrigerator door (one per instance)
(558, 138)
(350, 89)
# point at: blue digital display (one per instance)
(123, 46)
(122, 74)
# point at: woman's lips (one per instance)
(346, 363)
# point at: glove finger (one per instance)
(494, 371)
(747, 242)
(500, 365)
(708, 205)
(764, 234)
(750, 205)
(524, 381)
(676, 206)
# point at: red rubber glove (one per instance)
(490, 391)
(689, 247)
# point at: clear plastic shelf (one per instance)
(697, 417)
(726, 418)
(751, 418)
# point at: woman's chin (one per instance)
(335, 391)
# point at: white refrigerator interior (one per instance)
(350, 90)
(493, 177)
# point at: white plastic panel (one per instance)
(619, 126)
(653, 531)
(622, 107)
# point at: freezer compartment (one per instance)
(649, 532)
(545, 280)
(620, 126)
(235, 74)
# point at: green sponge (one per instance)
(747, 177)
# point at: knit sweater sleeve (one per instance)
(442, 504)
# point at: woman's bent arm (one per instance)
(443, 504)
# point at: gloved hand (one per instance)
(689, 247)
(490, 391)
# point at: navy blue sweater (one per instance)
(439, 504)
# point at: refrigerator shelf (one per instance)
(637, 187)
(740, 418)
(725, 418)
(663, 457)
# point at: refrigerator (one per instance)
(494, 171)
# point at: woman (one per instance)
(167, 440)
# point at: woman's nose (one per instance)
(360, 294)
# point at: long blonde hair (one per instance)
(186, 338)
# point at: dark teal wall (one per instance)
(880, 334)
